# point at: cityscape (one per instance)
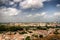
(30, 31)
(29, 19)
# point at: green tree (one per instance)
(3, 28)
(27, 38)
(41, 36)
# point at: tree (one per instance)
(27, 38)
(41, 36)
(23, 32)
(35, 35)
(56, 32)
(3, 28)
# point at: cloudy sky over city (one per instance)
(29, 10)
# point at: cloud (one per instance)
(17, 0)
(36, 15)
(57, 14)
(43, 17)
(6, 2)
(43, 13)
(9, 11)
(30, 15)
(54, 15)
(11, 3)
(9, 14)
(58, 5)
(24, 4)
(32, 4)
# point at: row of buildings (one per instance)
(33, 24)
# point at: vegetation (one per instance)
(27, 29)
(16, 28)
(23, 32)
(41, 36)
(3, 28)
(35, 35)
(30, 31)
(27, 38)
(56, 31)
(42, 28)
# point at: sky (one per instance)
(29, 10)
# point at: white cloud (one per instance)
(8, 14)
(17, 0)
(32, 4)
(29, 15)
(57, 14)
(54, 15)
(58, 5)
(36, 15)
(48, 16)
(11, 3)
(9, 11)
(42, 14)
(42, 17)
(24, 4)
